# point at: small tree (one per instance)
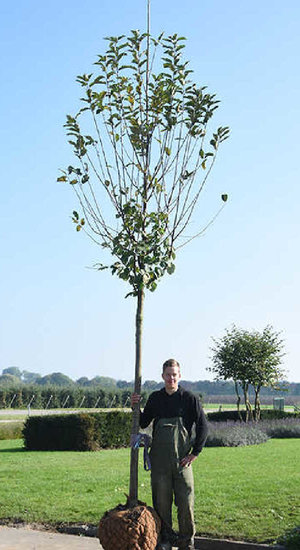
(249, 358)
(139, 156)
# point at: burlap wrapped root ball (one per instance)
(125, 528)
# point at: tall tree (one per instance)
(139, 154)
(249, 358)
(14, 371)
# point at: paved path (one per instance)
(24, 538)
(12, 538)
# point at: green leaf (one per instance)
(62, 178)
(168, 151)
(78, 227)
(201, 153)
(224, 197)
(171, 269)
(107, 183)
(73, 182)
(75, 214)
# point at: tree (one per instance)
(55, 379)
(139, 153)
(249, 358)
(14, 371)
(9, 381)
(30, 377)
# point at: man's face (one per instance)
(171, 377)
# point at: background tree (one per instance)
(139, 153)
(55, 379)
(249, 358)
(14, 371)
(30, 377)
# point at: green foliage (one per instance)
(291, 539)
(149, 125)
(55, 379)
(11, 430)
(249, 358)
(77, 432)
(266, 414)
(8, 381)
(14, 371)
(74, 432)
(113, 429)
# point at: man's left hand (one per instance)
(187, 460)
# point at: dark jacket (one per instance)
(181, 403)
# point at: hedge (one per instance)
(11, 430)
(77, 432)
(93, 431)
(266, 414)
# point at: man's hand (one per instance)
(187, 460)
(135, 398)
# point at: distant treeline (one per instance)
(54, 397)
(22, 385)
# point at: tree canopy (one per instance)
(249, 357)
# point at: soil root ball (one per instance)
(125, 528)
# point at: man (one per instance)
(174, 411)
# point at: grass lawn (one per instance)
(249, 493)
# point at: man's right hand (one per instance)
(135, 398)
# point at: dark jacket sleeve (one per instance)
(201, 428)
(147, 415)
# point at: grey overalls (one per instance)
(171, 442)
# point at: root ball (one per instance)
(125, 528)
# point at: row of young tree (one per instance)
(57, 398)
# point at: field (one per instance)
(249, 493)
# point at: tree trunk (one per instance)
(249, 412)
(238, 399)
(133, 486)
(257, 404)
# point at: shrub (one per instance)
(224, 416)
(11, 430)
(291, 539)
(234, 434)
(113, 429)
(60, 433)
(78, 432)
(281, 428)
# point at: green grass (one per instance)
(249, 493)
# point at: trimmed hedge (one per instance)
(93, 431)
(11, 430)
(266, 414)
(77, 432)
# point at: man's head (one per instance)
(171, 375)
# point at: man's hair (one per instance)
(170, 363)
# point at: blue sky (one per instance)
(59, 315)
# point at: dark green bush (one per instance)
(77, 432)
(11, 430)
(113, 429)
(224, 416)
(291, 539)
(73, 432)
